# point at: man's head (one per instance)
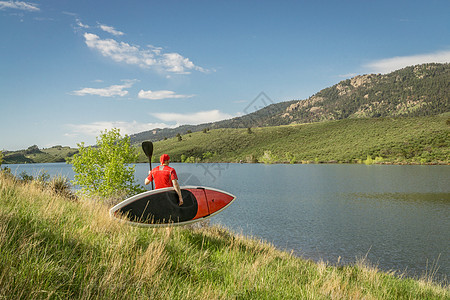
(164, 159)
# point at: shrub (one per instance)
(207, 155)
(190, 160)
(25, 177)
(291, 158)
(251, 159)
(268, 157)
(61, 185)
(104, 170)
(369, 160)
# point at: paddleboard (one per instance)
(159, 208)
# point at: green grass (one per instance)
(53, 247)
(395, 140)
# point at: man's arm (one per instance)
(147, 181)
(176, 186)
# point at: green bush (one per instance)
(291, 158)
(268, 157)
(104, 170)
(369, 160)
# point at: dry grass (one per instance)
(51, 247)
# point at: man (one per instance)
(165, 176)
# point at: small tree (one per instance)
(103, 170)
(268, 157)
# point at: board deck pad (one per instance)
(160, 207)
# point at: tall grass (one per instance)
(52, 248)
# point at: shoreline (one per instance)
(331, 162)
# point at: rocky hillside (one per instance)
(420, 90)
(413, 91)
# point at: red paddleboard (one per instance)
(159, 208)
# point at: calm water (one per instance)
(396, 216)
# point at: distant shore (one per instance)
(388, 141)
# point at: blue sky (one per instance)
(70, 69)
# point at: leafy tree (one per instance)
(104, 170)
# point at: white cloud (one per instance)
(391, 64)
(27, 6)
(144, 58)
(162, 94)
(194, 118)
(81, 25)
(111, 30)
(94, 128)
(111, 91)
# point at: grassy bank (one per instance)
(421, 140)
(54, 247)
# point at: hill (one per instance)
(261, 117)
(35, 155)
(57, 248)
(421, 90)
(412, 92)
(423, 140)
(393, 140)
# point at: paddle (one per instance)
(147, 146)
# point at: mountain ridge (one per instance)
(419, 90)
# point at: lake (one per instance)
(398, 217)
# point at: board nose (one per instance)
(217, 200)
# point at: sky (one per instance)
(71, 69)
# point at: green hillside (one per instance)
(52, 247)
(422, 90)
(388, 140)
(35, 155)
(411, 140)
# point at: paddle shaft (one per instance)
(150, 162)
